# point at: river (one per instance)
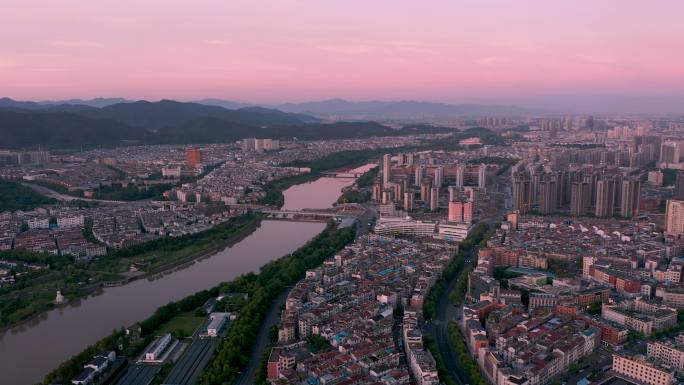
(31, 350)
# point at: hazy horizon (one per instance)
(572, 104)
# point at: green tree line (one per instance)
(466, 247)
(15, 196)
(233, 353)
(234, 350)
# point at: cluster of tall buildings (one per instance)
(402, 182)
(638, 151)
(580, 192)
(674, 208)
(253, 144)
(24, 157)
(620, 132)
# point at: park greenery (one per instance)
(564, 268)
(354, 196)
(317, 343)
(360, 192)
(367, 178)
(15, 196)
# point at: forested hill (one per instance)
(63, 130)
(49, 128)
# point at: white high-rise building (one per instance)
(460, 175)
(434, 198)
(439, 176)
(452, 193)
(386, 169)
(419, 176)
(674, 217)
(669, 153)
(482, 176)
(408, 201)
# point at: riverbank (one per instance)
(262, 289)
(274, 190)
(265, 281)
(274, 278)
(200, 246)
(73, 328)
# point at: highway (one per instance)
(50, 193)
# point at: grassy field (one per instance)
(182, 325)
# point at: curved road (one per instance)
(50, 193)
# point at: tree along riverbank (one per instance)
(233, 351)
(35, 293)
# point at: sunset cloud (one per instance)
(215, 42)
(77, 44)
(279, 50)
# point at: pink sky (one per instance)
(286, 50)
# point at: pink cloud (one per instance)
(290, 49)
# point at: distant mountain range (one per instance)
(31, 124)
(401, 110)
(340, 109)
(97, 103)
(409, 111)
(155, 115)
